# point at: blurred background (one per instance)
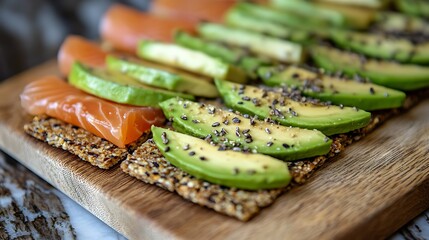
(32, 30)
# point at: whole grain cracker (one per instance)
(88, 147)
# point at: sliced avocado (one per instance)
(232, 130)
(290, 20)
(356, 17)
(232, 55)
(365, 96)
(190, 60)
(361, 3)
(309, 10)
(270, 104)
(389, 74)
(229, 168)
(153, 75)
(418, 8)
(393, 22)
(117, 87)
(240, 19)
(383, 46)
(280, 50)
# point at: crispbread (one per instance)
(95, 150)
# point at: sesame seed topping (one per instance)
(196, 121)
(164, 138)
(246, 98)
(236, 171)
(285, 145)
(371, 90)
(236, 149)
(215, 124)
(269, 144)
(267, 130)
(192, 153)
(236, 120)
(186, 147)
(226, 122)
(203, 158)
(240, 102)
(184, 117)
(167, 149)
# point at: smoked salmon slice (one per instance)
(119, 124)
(123, 27)
(76, 48)
(207, 10)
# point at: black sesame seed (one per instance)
(248, 140)
(184, 117)
(326, 139)
(236, 171)
(267, 130)
(240, 102)
(269, 144)
(236, 120)
(185, 105)
(285, 145)
(246, 116)
(164, 138)
(196, 121)
(246, 131)
(246, 98)
(226, 122)
(237, 132)
(371, 90)
(295, 75)
(167, 149)
(203, 158)
(237, 149)
(192, 153)
(341, 106)
(215, 124)
(186, 147)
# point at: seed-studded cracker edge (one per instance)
(148, 165)
(88, 147)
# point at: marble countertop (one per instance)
(31, 208)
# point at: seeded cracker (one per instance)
(95, 150)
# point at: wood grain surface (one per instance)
(373, 188)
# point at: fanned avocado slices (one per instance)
(117, 87)
(339, 91)
(189, 60)
(161, 76)
(383, 46)
(225, 167)
(329, 119)
(404, 77)
(243, 132)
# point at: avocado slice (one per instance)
(365, 96)
(117, 87)
(361, 3)
(237, 18)
(190, 60)
(329, 119)
(389, 74)
(290, 20)
(309, 10)
(383, 46)
(232, 130)
(356, 17)
(418, 8)
(280, 50)
(393, 22)
(162, 77)
(232, 55)
(228, 168)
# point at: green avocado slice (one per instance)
(235, 131)
(163, 77)
(232, 55)
(238, 18)
(270, 104)
(189, 60)
(274, 48)
(117, 87)
(389, 74)
(365, 96)
(228, 168)
(382, 46)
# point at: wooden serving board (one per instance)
(369, 191)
